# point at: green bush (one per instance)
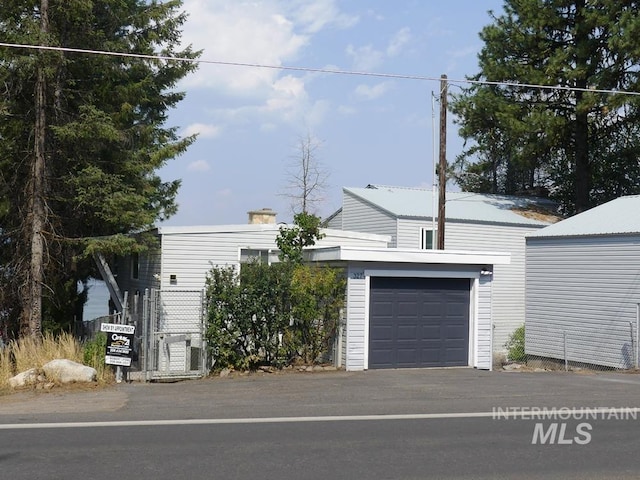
(94, 351)
(515, 346)
(272, 314)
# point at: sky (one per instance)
(368, 129)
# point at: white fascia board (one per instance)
(258, 227)
(396, 255)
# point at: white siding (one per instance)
(359, 216)
(357, 317)
(409, 232)
(484, 347)
(508, 290)
(190, 256)
(587, 288)
(357, 320)
(336, 221)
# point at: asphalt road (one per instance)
(392, 424)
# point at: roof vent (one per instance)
(266, 216)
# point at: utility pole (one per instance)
(442, 168)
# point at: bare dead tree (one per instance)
(306, 177)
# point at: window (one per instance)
(265, 255)
(135, 266)
(427, 238)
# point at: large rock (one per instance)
(28, 377)
(67, 371)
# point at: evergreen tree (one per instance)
(81, 138)
(575, 141)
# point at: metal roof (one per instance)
(617, 217)
(476, 207)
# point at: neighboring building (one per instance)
(473, 222)
(583, 286)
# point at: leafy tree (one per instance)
(317, 298)
(526, 139)
(82, 137)
(292, 239)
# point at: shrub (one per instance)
(93, 355)
(515, 346)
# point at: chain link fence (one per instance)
(613, 349)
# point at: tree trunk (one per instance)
(36, 218)
(581, 138)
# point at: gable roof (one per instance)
(616, 217)
(461, 206)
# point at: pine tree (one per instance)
(82, 137)
(575, 141)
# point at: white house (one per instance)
(405, 307)
(583, 287)
(473, 222)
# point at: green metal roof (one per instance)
(617, 217)
(463, 206)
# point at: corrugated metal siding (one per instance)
(483, 346)
(589, 288)
(508, 290)
(359, 216)
(357, 321)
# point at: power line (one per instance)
(316, 70)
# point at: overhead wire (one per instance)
(316, 70)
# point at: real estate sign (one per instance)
(119, 343)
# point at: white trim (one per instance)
(402, 255)
(373, 272)
(367, 293)
(474, 333)
(474, 282)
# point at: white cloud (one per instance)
(399, 40)
(241, 31)
(198, 166)
(265, 32)
(365, 58)
(316, 15)
(371, 92)
(203, 130)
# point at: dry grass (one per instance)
(30, 352)
(26, 353)
(6, 368)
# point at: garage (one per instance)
(418, 322)
(408, 308)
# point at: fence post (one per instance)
(144, 342)
(566, 360)
(637, 349)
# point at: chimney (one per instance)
(264, 216)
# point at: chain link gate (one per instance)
(173, 334)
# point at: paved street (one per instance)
(376, 424)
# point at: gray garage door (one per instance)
(418, 322)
